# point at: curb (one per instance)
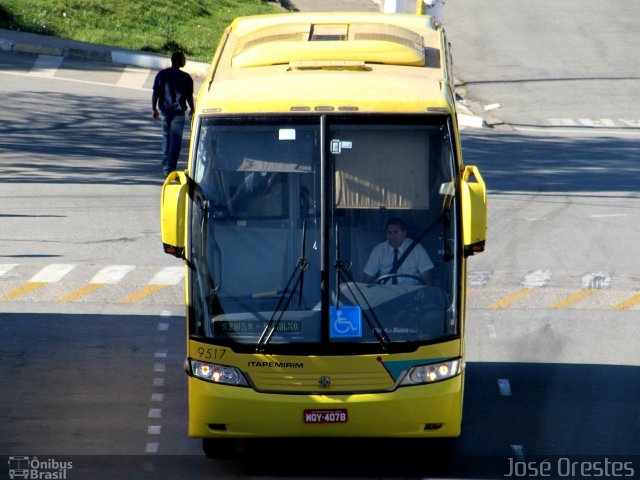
(466, 118)
(11, 41)
(473, 121)
(116, 56)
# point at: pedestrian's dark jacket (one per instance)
(173, 87)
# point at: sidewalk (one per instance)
(338, 5)
(45, 45)
(22, 42)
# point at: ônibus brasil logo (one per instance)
(36, 469)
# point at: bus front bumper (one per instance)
(420, 411)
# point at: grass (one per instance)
(159, 26)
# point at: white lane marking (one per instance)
(155, 413)
(46, 65)
(133, 77)
(596, 280)
(504, 386)
(567, 122)
(168, 276)
(477, 279)
(609, 215)
(538, 278)
(597, 123)
(518, 451)
(525, 219)
(630, 123)
(157, 397)
(492, 332)
(470, 121)
(7, 267)
(52, 273)
(111, 274)
(584, 132)
(152, 447)
(75, 80)
(146, 61)
(603, 122)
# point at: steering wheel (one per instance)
(387, 276)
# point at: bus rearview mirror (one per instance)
(474, 211)
(173, 212)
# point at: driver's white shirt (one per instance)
(381, 261)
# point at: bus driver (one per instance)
(385, 257)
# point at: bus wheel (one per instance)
(219, 448)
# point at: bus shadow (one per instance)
(556, 412)
(350, 458)
(552, 164)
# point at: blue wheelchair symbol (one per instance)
(346, 322)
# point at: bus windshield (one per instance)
(324, 233)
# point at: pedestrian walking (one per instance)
(172, 93)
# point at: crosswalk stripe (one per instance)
(514, 297)
(596, 280)
(168, 276)
(630, 123)
(22, 290)
(111, 274)
(81, 292)
(628, 303)
(6, 268)
(133, 77)
(537, 278)
(602, 122)
(574, 298)
(52, 273)
(142, 293)
(595, 122)
(18, 282)
(47, 65)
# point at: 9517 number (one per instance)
(208, 353)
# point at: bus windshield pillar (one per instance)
(325, 209)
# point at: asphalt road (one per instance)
(91, 351)
(563, 64)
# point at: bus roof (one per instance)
(335, 61)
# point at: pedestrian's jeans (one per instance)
(172, 127)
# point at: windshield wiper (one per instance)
(343, 272)
(298, 273)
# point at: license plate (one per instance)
(328, 415)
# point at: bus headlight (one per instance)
(212, 372)
(433, 372)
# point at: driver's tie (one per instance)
(394, 267)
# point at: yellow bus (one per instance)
(318, 140)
